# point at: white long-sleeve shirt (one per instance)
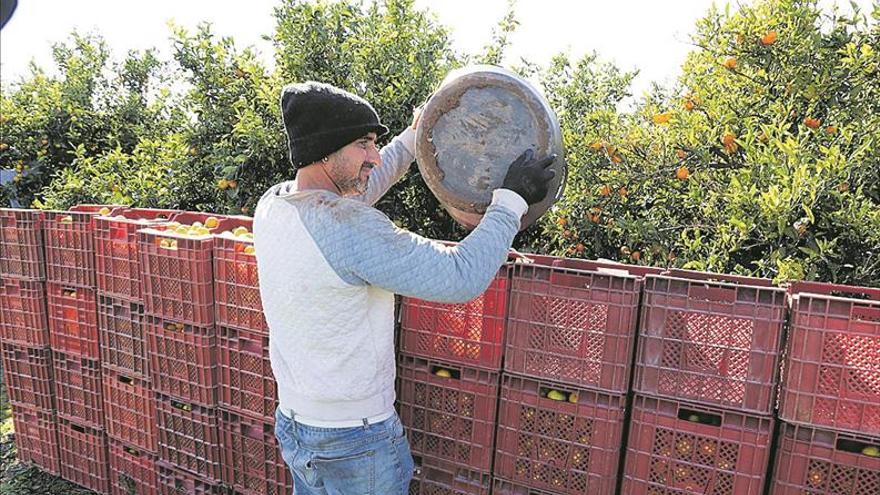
(329, 268)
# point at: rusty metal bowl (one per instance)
(470, 131)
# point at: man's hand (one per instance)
(530, 178)
(417, 112)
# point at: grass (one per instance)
(18, 478)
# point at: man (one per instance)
(329, 265)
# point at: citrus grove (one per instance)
(761, 159)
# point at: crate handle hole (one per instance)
(78, 428)
(857, 447)
(125, 379)
(557, 395)
(702, 418)
(182, 406)
(446, 372)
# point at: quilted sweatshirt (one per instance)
(329, 267)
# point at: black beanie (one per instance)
(321, 119)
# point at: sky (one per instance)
(648, 35)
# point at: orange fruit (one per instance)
(681, 154)
(730, 63)
(233, 184)
(728, 138)
(594, 218)
(622, 192)
(562, 221)
(689, 104)
(579, 248)
(831, 129)
(843, 187)
(636, 255)
(566, 233)
(222, 184)
(661, 118)
(605, 191)
(616, 158)
(769, 38)
(682, 173)
(812, 123)
(4, 146)
(597, 146)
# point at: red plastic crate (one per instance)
(710, 342)
(559, 438)
(70, 245)
(121, 329)
(183, 360)
(236, 284)
(251, 457)
(27, 374)
(573, 326)
(117, 262)
(823, 462)
(175, 481)
(73, 320)
(36, 438)
(679, 448)
(84, 458)
(130, 410)
(832, 367)
(448, 418)
(21, 244)
(132, 471)
(177, 274)
(433, 477)
(23, 310)
(471, 333)
(78, 389)
(505, 487)
(189, 437)
(244, 373)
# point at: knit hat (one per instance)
(321, 119)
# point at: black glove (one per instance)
(529, 177)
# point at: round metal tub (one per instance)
(473, 128)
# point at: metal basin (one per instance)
(473, 128)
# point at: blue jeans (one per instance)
(364, 460)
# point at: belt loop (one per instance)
(366, 423)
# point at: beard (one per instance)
(356, 186)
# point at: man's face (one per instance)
(350, 167)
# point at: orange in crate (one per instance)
(236, 283)
(70, 243)
(73, 325)
(23, 310)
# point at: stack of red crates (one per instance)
(571, 337)
(448, 378)
(176, 283)
(251, 457)
(830, 396)
(73, 326)
(24, 338)
(129, 400)
(707, 369)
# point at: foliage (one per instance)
(761, 159)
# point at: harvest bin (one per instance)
(132, 471)
(470, 333)
(28, 376)
(680, 448)
(22, 254)
(177, 273)
(831, 376)
(117, 260)
(711, 339)
(557, 437)
(824, 462)
(574, 323)
(23, 306)
(433, 477)
(450, 418)
(121, 331)
(70, 244)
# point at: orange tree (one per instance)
(762, 160)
